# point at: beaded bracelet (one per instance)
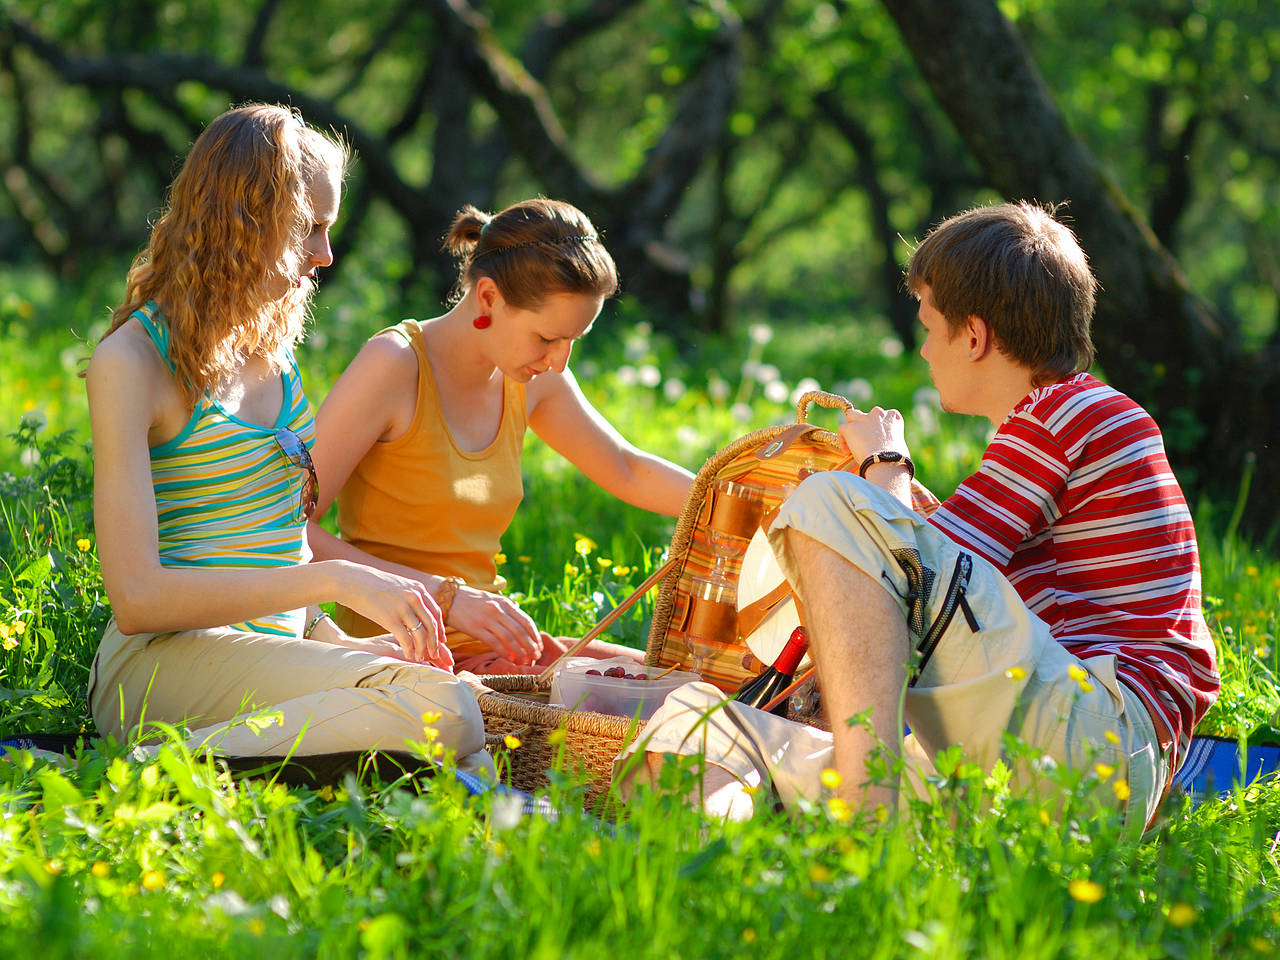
(445, 595)
(311, 626)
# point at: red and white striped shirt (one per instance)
(1076, 503)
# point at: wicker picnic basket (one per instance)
(692, 628)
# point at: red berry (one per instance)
(594, 673)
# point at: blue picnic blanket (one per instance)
(1215, 765)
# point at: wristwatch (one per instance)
(888, 456)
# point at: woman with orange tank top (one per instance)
(421, 438)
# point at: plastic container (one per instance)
(571, 687)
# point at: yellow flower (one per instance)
(621, 571)
(100, 869)
(1081, 676)
(1122, 790)
(431, 717)
(257, 927)
(1111, 736)
(1104, 770)
(1183, 914)
(1045, 818)
(6, 640)
(524, 558)
(603, 562)
(557, 736)
(499, 558)
(583, 545)
(218, 879)
(325, 793)
(513, 742)
(592, 847)
(839, 810)
(749, 935)
(20, 628)
(831, 779)
(54, 867)
(1015, 673)
(152, 880)
(83, 544)
(1086, 891)
(881, 813)
(818, 873)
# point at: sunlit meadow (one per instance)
(121, 853)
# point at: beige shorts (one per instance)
(974, 686)
(320, 698)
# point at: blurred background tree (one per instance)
(749, 159)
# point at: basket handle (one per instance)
(832, 401)
(611, 616)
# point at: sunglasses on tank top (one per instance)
(293, 447)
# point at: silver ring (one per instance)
(417, 628)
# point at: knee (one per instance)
(457, 714)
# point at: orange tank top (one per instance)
(423, 501)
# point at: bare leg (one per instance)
(858, 640)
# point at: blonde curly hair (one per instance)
(234, 222)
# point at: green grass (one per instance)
(122, 855)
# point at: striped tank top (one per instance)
(226, 494)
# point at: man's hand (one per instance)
(878, 431)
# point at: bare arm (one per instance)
(566, 420)
(127, 398)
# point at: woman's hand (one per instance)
(402, 607)
(497, 622)
(387, 646)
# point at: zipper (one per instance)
(953, 600)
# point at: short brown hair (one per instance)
(531, 250)
(1024, 273)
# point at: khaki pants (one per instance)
(329, 699)
(1009, 676)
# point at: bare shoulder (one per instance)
(127, 352)
(551, 386)
(127, 374)
(388, 352)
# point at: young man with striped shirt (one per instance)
(1054, 596)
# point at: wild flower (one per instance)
(626, 375)
(1016, 673)
(1182, 915)
(583, 545)
(1105, 771)
(890, 347)
(83, 544)
(513, 742)
(1081, 676)
(718, 389)
(100, 869)
(673, 389)
(1085, 891)
(742, 413)
(153, 880)
(831, 778)
(760, 333)
(1121, 790)
(649, 375)
(499, 558)
(775, 391)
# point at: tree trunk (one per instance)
(1157, 340)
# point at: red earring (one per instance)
(481, 322)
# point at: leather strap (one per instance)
(753, 614)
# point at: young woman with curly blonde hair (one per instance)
(204, 483)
